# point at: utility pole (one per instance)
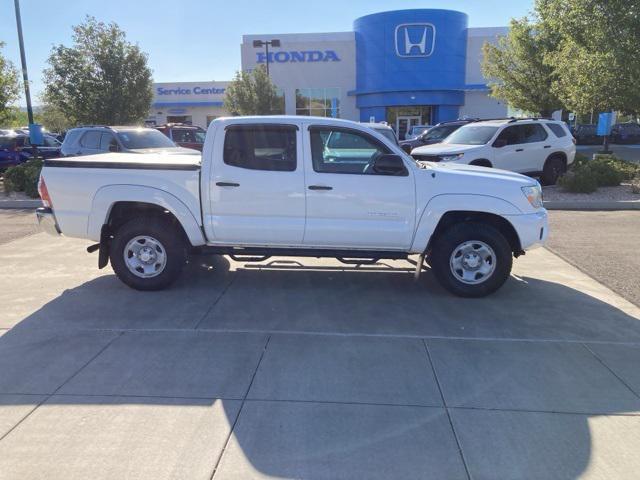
(25, 76)
(266, 43)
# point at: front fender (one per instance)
(107, 196)
(441, 204)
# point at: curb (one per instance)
(20, 204)
(559, 205)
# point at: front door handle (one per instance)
(547, 146)
(227, 184)
(519, 149)
(319, 187)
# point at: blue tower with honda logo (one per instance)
(410, 66)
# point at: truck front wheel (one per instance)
(471, 259)
(147, 253)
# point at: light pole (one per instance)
(264, 43)
(25, 77)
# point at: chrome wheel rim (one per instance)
(145, 256)
(473, 262)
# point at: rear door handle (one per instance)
(519, 149)
(547, 146)
(319, 187)
(227, 184)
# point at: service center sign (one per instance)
(189, 92)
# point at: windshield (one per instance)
(144, 138)
(440, 133)
(472, 135)
(389, 135)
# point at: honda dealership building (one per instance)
(404, 67)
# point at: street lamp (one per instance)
(266, 43)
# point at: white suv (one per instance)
(535, 147)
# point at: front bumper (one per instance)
(47, 221)
(532, 228)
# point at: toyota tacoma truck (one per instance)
(294, 186)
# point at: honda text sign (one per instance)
(415, 39)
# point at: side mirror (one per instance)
(499, 143)
(113, 147)
(389, 164)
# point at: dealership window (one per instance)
(318, 102)
(261, 147)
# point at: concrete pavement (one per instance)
(311, 370)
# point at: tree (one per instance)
(101, 79)
(9, 88)
(53, 119)
(518, 71)
(596, 60)
(253, 93)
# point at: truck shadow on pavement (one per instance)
(320, 372)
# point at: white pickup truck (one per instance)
(294, 186)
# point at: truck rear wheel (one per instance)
(471, 259)
(148, 253)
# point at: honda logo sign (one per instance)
(415, 39)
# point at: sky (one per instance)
(200, 40)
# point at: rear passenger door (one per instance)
(257, 186)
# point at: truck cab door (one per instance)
(349, 205)
(256, 186)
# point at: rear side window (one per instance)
(557, 130)
(91, 139)
(261, 147)
(533, 132)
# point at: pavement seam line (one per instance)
(363, 335)
(244, 399)
(611, 370)
(446, 409)
(48, 396)
(215, 302)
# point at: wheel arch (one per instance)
(115, 204)
(482, 162)
(444, 209)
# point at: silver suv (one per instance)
(92, 140)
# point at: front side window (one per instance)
(472, 135)
(318, 102)
(261, 147)
(339, 150)
(512, 135)
(186, 136)
(108, 143)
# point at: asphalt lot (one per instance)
(16, 224)
(602, 244)
(311, 370)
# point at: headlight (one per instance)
(451, 158)
(534, 195)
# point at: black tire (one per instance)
(170, 238)
(553, 168)
(448, 241)
(482, 163)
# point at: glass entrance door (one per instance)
(404, 123)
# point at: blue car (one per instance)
(16, 149)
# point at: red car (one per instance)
(188, 136)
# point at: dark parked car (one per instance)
(16, 149)
(433, 135)
(188, 136)
(626, 133)
(585, 134)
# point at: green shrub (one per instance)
(606, 172)
(578, 181)
(23, 178)
(32, 177)
(14, 179)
